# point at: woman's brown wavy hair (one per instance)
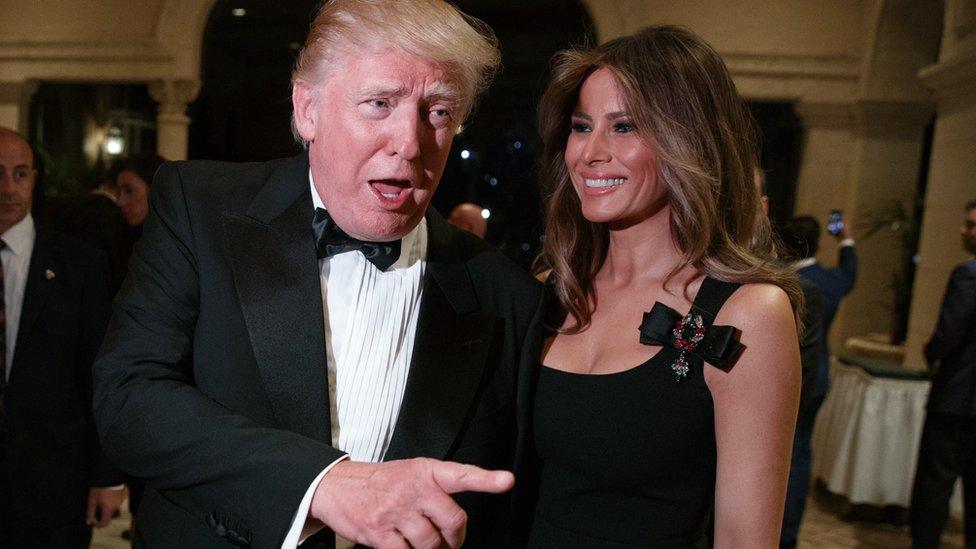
(684, 105)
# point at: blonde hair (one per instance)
(430, 29)
(685, 106)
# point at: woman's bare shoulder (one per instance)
(758, 306)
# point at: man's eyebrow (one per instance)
(383, 90)
(437, 92)
(440, 91)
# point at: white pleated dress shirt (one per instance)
(370, 325)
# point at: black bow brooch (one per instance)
(690, 334)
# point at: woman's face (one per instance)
(133, 198)
(611, 167)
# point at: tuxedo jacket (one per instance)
(212, 383)
(52, 455)
(953, 346)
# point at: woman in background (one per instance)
(676, 433)
(134, 177)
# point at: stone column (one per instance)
(890, 135)
(172, 123)
(15, 100)
(952, 173)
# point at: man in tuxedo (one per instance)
(291, 333)
(54, 481)
(948, 448)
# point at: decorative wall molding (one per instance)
(148, 51)
(173, 95)
(951, 77)
(814, 67)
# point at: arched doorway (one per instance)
(243, 111)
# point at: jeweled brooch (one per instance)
(685, 337)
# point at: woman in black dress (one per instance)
(667, 396)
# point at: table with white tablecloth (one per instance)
(867, 434)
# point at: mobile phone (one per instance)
(835, 222)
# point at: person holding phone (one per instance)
(801, 238)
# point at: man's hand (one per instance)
(844, 234)
(401, 504)
(102, 504)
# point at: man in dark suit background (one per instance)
(801, 236)
(54, 481)
(834, 282)
(290, 333)
(95, 218)
(811, 353)
(948, 448)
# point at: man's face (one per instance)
(969, 231)
(379, 128)
(17, 176)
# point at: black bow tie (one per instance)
(331, 240)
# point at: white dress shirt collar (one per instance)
(15, 257)
(20, 237)
(413, 246)
(106, 194)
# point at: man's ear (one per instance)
(303, 99)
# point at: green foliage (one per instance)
(894, 219)
(64, 175)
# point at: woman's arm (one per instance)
(755, 415)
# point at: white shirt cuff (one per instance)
(116, 487)
(300, 530)
(847, 242)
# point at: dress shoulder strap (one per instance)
(712, 295)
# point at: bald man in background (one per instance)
(54, 481)
(469, 217)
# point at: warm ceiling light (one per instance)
(238, 12)
(114, 142)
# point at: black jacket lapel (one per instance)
(41, 277)
(449, 357)
(276, 275)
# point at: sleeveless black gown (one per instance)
(627, 459)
